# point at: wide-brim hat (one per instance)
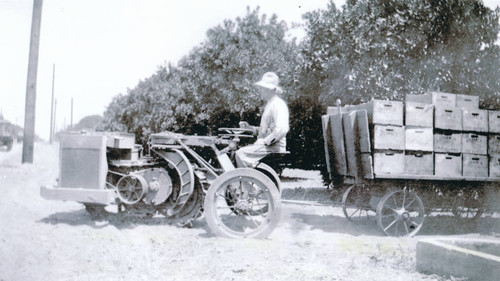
(269, 81)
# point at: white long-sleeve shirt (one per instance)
(274, 124)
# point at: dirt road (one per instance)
(53, 240)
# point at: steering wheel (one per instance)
(236, 132)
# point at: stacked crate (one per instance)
(436, 134)
(494, 143)
(474, 137)
(419, 141)
(388, 141)
(460, 135)
(447, 136)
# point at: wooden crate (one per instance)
(475, 165)
(447, 165)
(388, 137)
(383, 112)
(474, 144)
(388, 162)
(448, 142)
(419, 163)
(425, 98)
(419, 139)
(468, 102)
(495, 166)
(494, 121)
(475, 120)
(419, 114)
(448, 118)
(494, 144)
(444, 99)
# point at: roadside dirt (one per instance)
(53, 240)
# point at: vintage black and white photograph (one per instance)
(354, 140)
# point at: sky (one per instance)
(101, 48)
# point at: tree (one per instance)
(89, 123)
(221, 72)
(213, 85)
(386, 49)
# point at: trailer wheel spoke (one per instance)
(391, 224)
(406, 228)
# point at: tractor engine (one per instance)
(100, 169)
(151, 185)
(136, 178)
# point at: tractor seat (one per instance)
(277, 161)
(275, 158)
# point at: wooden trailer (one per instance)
(391, 172)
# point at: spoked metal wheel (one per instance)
(400, 213)
(243, 203)
(131, 188)
(356, 204)
(468, 204)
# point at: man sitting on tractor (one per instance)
(274, 124)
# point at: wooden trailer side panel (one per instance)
(328, 144)
(333, 134)
(362, 131)
(357, 145)
(363, 136)
(339, 153)
(350, 145)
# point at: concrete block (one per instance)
(476, 259)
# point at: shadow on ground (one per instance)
(450, 225)
(319, 194)
(338, 224)
(118, 220)
(433, 225)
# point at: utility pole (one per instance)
(71, 114)
(29, 119)
(55, 111)
(52, 105)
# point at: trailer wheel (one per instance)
(400, 213)
(468, 204)
(252, 210)
(356, 204)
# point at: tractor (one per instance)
(174, 176)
